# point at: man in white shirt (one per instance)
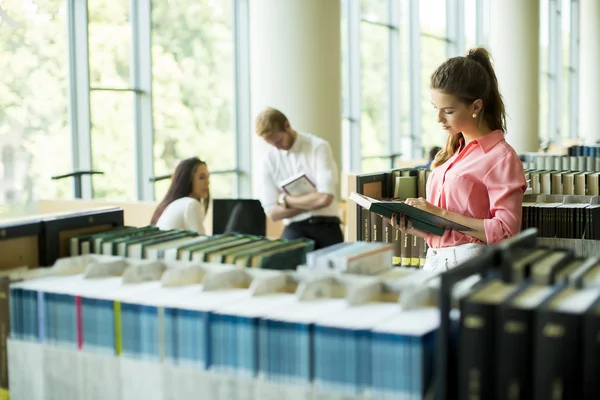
(313, 215)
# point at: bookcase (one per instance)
(36, 241)
(41, 239)
(528, 341)
(365, 226)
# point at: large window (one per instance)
(434, 44)
(111, 99)
(193, 89)
(559, 53)
(149, 83)
(399, 44)
(375, 85)
(34, 133)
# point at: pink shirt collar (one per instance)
(487, 142)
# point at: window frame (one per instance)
(141, 89)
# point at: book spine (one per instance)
(476, 378)
(405, 249)
(376, 225)
(386, 231)
(591, 355)
(4, 330)
(557, 356)
(366, 225)
(118, 329)
(397, 239)
(515, 353)
(78, 322)
(422, 252)
(415, 252)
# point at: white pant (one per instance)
(445, 258)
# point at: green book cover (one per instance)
(223, 254)
(203, 253)
(286, 257)
(244, 259)
(186, 252)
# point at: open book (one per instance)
(297, 185)
(421, 220)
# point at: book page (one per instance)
(141, 379)
(100, 375)
(62, 373)
(26, 378)
(188, 383)
(297, 185)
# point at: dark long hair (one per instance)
(470, 78)
(181, 186)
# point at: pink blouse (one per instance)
(484, 180)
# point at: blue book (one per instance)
(342, 347)
(403, 350)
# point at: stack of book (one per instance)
(532, 335)
(42, 239)
(563, 182)
(230, 248)
(580, 158)
(361, 258)
(564, 221)
(107, 327)
(400, 184)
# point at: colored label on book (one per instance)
(118, 335)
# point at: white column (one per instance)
(589, 80)
(514, 44)
(295, 61)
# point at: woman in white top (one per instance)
(186, 201)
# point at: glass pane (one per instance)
(470, 24)
(375, 10)
(113, 145)
(432, 15)
(344, 53)
(109, 43)
(566, 67)
(192, 67)
(433, 53)
(405, 107)
(544, 40)
(221, 187)
(35, 140)
(375, 90)
(375, 165)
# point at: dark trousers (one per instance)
(325, 231)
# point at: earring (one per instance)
(474, 115)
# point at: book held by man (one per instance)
(421, 219)
(297, 185)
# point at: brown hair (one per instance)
(270, 121)
(181, 186)
(470, 78)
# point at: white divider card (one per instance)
(363, 258)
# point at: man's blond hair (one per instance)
(270, 121)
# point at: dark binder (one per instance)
(421, 220)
